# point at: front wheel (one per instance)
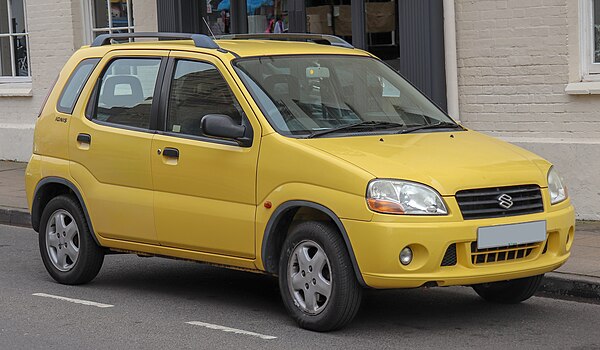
(509, 292)
(68, 249)
(316, 278)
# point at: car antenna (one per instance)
(210, 30)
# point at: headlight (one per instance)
(556, 187)
(404, 197)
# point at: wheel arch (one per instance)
(50, 187)
(282, 218)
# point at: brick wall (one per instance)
(513, 61)
(56, 30)
(51, 42)
(515, 58)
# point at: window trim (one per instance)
(92, 103)
(13, 78)
(590, 69)
(164, 107)
(91, 30)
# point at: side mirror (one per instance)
(221, 125)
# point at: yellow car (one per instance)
(293, 155)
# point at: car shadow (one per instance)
(454, 309)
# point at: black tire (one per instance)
(509, 292)
(90, 256)
(345, 293)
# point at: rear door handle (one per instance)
(170, 152)
(84, 138)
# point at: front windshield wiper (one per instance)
(360, 125)
(440, 125)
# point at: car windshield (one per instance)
(314, 95)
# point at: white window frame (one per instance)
(89, 19)
(14, 78)
(589, 67)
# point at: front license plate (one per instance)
(510, 235)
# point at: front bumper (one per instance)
(377, 246)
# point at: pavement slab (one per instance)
(12, 185)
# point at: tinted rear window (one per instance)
(70, 94)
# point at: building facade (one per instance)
(522, 70)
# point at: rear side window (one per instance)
(70, 94)
(126, 92)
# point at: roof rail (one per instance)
(200, 40)
(316, 38)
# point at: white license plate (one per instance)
(510, 235)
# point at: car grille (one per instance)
(501, 254)
(486, 202)
(450, 256)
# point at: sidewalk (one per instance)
(579, 277)
(13, 203)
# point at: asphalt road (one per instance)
(153, 300)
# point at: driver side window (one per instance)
(198, 89)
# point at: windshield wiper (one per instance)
(360, 125)
(440, 125)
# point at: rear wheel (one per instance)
(509, 292)
(69, 252)
(316, 278)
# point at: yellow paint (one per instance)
(207, 205)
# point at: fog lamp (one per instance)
(406, 256)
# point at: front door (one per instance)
(205, 188)
(110, 142)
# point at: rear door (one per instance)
(205, 187)
(110, 144)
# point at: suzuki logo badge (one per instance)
(505, 201)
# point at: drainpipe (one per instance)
(450, 59)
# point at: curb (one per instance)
(14, 217)
(570, 285)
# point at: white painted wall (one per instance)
(56, 29)
(51, 41)
(515, 58)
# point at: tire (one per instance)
(319, 287)
(74, 258)
(509, 292)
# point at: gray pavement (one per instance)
(12, 186)
(154, 298)
(579, 277)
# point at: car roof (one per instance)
(239, 48)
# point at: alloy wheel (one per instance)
(62, 240)
(309, 277)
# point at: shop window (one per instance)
(329, 17)
(14, 46)
(267, 16)
(381, 22)
(218, 16)
(111, 16)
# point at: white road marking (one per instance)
(76, 301)
(231, 330)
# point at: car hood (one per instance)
(446, 161)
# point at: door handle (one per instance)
(84, 138)
(170, 152)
